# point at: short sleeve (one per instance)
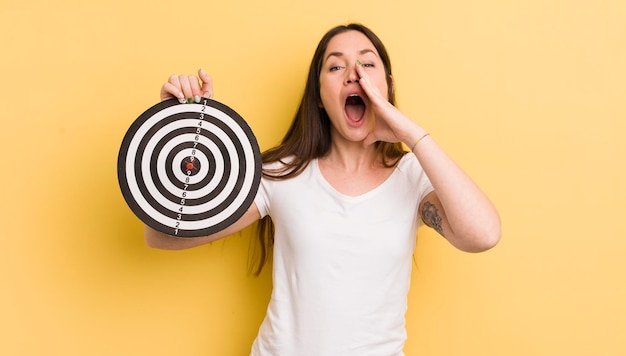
(262, 198)
(417, 178)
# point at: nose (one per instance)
(351, 75)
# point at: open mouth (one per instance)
(355, 108)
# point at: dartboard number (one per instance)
(192, 158)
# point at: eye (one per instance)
(368, 65)
(334, 68)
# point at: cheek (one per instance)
(328, 97)
(324, 101)
(323, 92)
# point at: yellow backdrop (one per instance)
(527, 95)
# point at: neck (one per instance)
(352, 156)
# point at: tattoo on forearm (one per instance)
(430, 215)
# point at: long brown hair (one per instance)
(309, 136)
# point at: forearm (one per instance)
(159, 240)
(163, 241)
(473, 223)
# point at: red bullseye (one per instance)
(190, 166)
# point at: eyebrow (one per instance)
(340, 54)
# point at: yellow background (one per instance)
(529, 96)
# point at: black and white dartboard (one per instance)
(189, 170)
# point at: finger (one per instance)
(172, 89)
(185, 87)
(207, 84)
(364, 81)
(168, 91)
(195, 87)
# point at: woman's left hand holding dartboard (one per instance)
(187, 88)
(189, 167)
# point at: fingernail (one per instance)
(358, 62)
(202, 71)
(197, 99)
(181, 98)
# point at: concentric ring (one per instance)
(189, 170)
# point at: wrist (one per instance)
(419, 139)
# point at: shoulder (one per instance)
(279, 164)
(285, 168)
(409, 165)
(278, 188)
(412, 173)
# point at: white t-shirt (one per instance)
(341, 264)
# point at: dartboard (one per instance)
(189, 170)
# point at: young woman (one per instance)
(340, 203)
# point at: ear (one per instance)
(393, 83)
